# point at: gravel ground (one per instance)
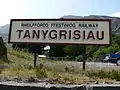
(40, 84)
(48, 85)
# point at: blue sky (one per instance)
(56, 8)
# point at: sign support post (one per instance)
(35, 59)
(84, 58)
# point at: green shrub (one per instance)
(111, 74)
(41, 72)
(114, 74)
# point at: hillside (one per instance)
(4, 29)
(4, 32)
(115, 20)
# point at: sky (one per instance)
(17, 9)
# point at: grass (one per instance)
(2, 61)
(19, 54)
(21, 69)
(111, 74)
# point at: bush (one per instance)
(79, 58)
(41, 72)
(3, 52)
(112, 74)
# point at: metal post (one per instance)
(35, 58)
(84, 58)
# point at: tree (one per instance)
(116, 39)
(106, 50)
(57, 51)
(73, 50)
(91, 50)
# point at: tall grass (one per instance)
(20, 53)
(21, 68)
(108, 74)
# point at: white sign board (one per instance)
(60, 31)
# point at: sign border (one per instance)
(61, 19)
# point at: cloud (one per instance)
(117, 14)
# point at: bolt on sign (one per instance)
(60, 31)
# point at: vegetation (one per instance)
(111, 74)
(3, 50)
(21, 69)
(20, 53)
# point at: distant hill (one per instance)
(115, 22)
(4, 32)
(4, 36)
(4, 29)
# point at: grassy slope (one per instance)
(21, 68)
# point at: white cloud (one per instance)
(117, 14)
